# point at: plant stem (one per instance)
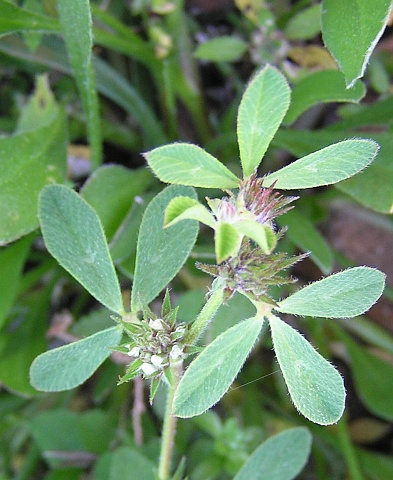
(169, 427)
(205, 316)
(348, 450)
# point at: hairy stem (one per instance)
(169, 427)
(205, 316)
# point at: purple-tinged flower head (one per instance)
(261, 203)
(226, 211)
(252, 272)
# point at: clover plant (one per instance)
(247, 261)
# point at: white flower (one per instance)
(156, 324)
(148, 368)
(134, 352)
(157, 361)
(176, 352)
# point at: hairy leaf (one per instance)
(211, 374)
(316, 387)
(67, 367)
(74, 235)
(344, 294)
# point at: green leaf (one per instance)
(211, 374)
(92, 423)
(377, 181)
(281, 457)
(182, 208)
(221, 49)
(261, 111)
(227, 241)
(73, 235)
(344, 294)
(69, 366)
(376, 466)
(41, 108)
(305, 24)
(351, 30)
(45, 428)
(12, 260)
(324, 86)
(28, 161)
(367, 330)
(75, 20)
(128, 464)
(261, 234)
(123, 244)
(22, 340)
(370, 374)
(15, 19)
(316, 387)
(187, 164)
(379, 173)
(324, 167)
(305, 236)
(111, 191)
(161, 252)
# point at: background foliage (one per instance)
(86, 87)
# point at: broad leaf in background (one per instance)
(45, 428)
(15, 19)
(351, 30)
(12, 260)
(187, 164)
(221, 49)
(111, 190)
(344, 294)
(377, 181)
(304, 25)
(316, 388)
(261, 111)
(211, 374)
(125, 460)
(324, 86)
(304, 235)
(161, 252)
(35, 156)
(370, 374)
(75, 20)
(324, 167)
(280, 457)
(80, 432)
(67, 367)
(73, 235)
(22, 340)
